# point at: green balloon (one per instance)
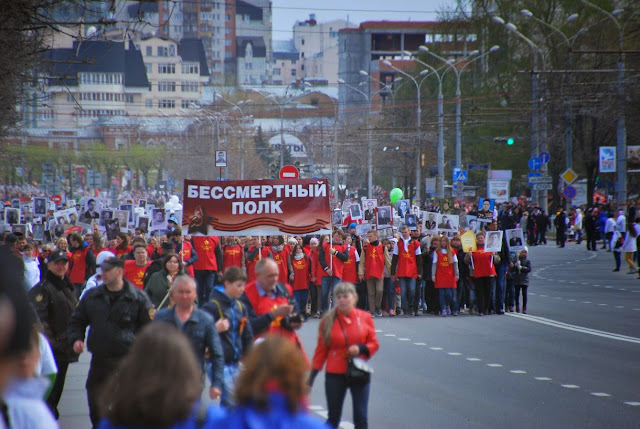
(395, 195)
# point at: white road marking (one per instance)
(389, 335)
(494, 365)
(404, 339)
(586, 302)
(517, 371)
(544, 296)
(542, 378)
(603, 305)
(633, 404)
(570, 386)
(619, 306)
(420, 344)
(319, 410)
(571, 300)
(454, 354)
(315, 407)
(600, 394)
(474, 359)
(379, 330)
(436, 348)
(575, 328)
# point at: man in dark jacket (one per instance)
(115, 310)
(54, 299)
(232, 323)
(542, 224)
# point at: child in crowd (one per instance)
(231, 320)
(299, 276)
(521, 270)
(445, 275)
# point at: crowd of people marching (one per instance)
(233, 297)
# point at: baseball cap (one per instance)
(112, 262)
(58, 255)
(352, 225)
(173, 219)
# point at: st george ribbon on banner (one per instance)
(256, 207)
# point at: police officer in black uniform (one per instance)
(54, 299)
(115, 310)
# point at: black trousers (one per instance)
(99, 372)
(58, 387)
(483, 293)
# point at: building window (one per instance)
(227, 17)
(276, 72)
(333, 34)
(227, 30)
(163, 51)
(149, 51)
(302, 67)
(166, 104)
(227, 42)
(149, 68)
(190, 69)
(128, 98)
(302, 54)
(167, 68)
(166, 87)
(189, 104)
(172, 50)
(148, 103)
(227, 54)
(302, 42)
(293, 72)
(189, 86)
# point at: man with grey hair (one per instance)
(198, 326)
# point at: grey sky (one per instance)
(287, 12)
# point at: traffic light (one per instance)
(509, 141)
(274, 171)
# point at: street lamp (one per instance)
(458, 73)
(535, 141)
(440, 187)
(621, 132)
(369, 141)
(569, 114)
(238, 106)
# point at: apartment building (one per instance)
(176, 72)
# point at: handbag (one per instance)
(358, 370)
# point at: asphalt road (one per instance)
(571, 362)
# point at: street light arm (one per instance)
(450, 66)
(611, 17)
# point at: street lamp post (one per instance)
(569, 114)
(369, 140)
(458, 73)
(537, 143)
(621, 131)
(281, 107)
(440, 187)
(242, 150)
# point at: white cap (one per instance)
(101, 258)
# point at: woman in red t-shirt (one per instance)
(445, 274)
(301, 273)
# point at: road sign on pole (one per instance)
(570, 192)
(478, 167)
(569, 176)
(534, 164)
(540, 179)
(289, 172)
(544, 157)
(542, 186)
(460, 175)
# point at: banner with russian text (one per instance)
(256, 207)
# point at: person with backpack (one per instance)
(231, 319)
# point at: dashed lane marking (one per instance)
(600, 394)
(494, 365)
(517, 371)
(420, 344)
(633, 404)
(542, 378)
(472, 359)
(570, 386)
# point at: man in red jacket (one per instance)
(82, 264)
(406, 266)
(270, 304)
(332, 257)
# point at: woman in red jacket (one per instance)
(345, 332)
(484, 268)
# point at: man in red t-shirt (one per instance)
(134, 268)
(406, 266)
(206, 267)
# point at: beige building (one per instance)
(176, 72)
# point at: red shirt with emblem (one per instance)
(134, 273)
(205, 247)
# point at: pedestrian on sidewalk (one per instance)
(521, 271)
(629, 247)
(54, 299)
(115, 310)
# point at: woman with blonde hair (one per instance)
(156, 392)
(270, 391)
(345, 333)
